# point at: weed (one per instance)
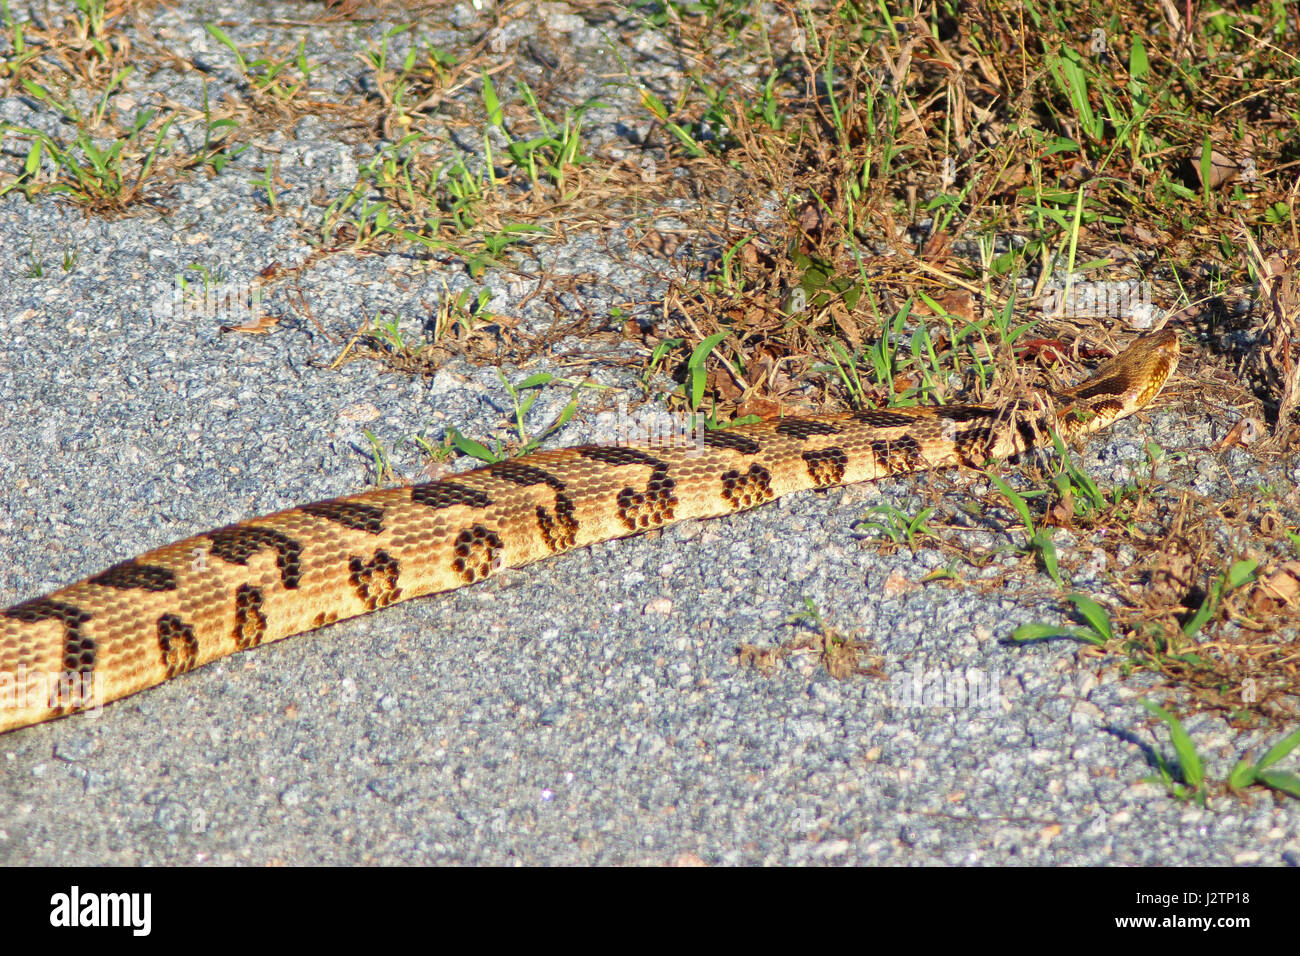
(1238, 574)
(1192, 785)
(521, 406)
(379, 459)
(1098, 631)
(895, 526)
(1261, 772)
(267, 77)
(1039, 538)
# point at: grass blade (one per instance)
(1093, 613)
(1188, 758)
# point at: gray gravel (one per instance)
(586, 710)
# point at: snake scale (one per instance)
(166, 612)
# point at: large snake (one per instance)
(150, 619)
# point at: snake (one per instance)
(162, 614)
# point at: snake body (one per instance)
(166, 612)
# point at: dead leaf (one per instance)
(1222, 169)
(1246, 432)
(262, 325)
(1280, 589)
(897, 584)
(762, 407)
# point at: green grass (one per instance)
(1187, 782)
(527, 439)
(1097, 630)
(1039, 539)
(895, 526)
(382, 339)
(281, 79)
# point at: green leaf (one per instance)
(696, 369)
(1063, 145)
(1093, 613)
(1019, 503)
(224, 39)
(33, 158)
(1038, 631)
(35, 89)
(1138, 67)
(471, 447)
(563, 418)
(1188, 758)
(1283, 780)
(1279, 750)
(1203, 614)
(1242, 776)
(496, 115)
(1207, 167)
(1047, 549)
(1240, 573)
(654, 105)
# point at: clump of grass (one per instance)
(527, 441)
(1189, 782)
(843, 656)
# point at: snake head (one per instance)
(1130, 380)
(1122, 385)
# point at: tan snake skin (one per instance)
(166, 612)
